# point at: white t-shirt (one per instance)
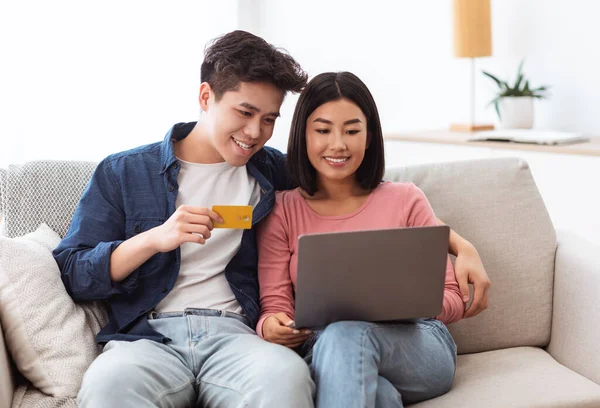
(201, 282)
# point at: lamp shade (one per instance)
(472, 28)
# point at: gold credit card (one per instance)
(234, 216)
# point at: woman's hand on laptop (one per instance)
(469, 268)
(278, 329)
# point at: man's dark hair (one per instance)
(240, 56)
(327, 87)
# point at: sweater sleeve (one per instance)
(419, 213)
(276, 287)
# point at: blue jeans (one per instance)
(212, 361)
(361, 364)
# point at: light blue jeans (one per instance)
(211, 362)
(361, 364)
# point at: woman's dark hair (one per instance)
(327, 87)
(243, 57)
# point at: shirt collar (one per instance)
(181, 130)
(177, 132)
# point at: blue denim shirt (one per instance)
(132, 192)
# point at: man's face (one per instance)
(242, 121)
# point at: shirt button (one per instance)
(171, 188)
(165, 290)
(137, 229)
(176, 165)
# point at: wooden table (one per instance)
(591, 148)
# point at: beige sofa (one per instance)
(538, 344)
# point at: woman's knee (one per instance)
(446, 379)
(436, 382)
(387, 395)
(344, 330)
(344, 336)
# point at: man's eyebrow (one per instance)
(328, 122)
(255, 109)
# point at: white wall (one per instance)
(80, 80)
(403, 51)
(83, 79)
(116, 74)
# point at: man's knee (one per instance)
(118, 375)
(292, 368)
(285, 365)
(286, 371)
(110, 374)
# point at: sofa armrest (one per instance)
(576, 311)
(7, 385)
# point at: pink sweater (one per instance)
(390, 205)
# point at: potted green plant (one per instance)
(514, 104)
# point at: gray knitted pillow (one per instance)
(42, 192)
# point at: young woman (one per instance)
(336, 156)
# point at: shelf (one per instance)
(591, 148)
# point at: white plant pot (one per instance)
(516, 112)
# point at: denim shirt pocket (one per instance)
(137, 225)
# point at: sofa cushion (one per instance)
(523, 377)
(44, 191)
(51, 339)
(7, 385)
(495, 204)
(27, 396)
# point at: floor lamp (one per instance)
(472, 39)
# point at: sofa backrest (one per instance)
(495, 204)
(3, 173)
(42, 191)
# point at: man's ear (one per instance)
(206, 96)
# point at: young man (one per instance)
(183, 296)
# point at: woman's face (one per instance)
(336, 139)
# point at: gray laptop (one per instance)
(378, 275)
